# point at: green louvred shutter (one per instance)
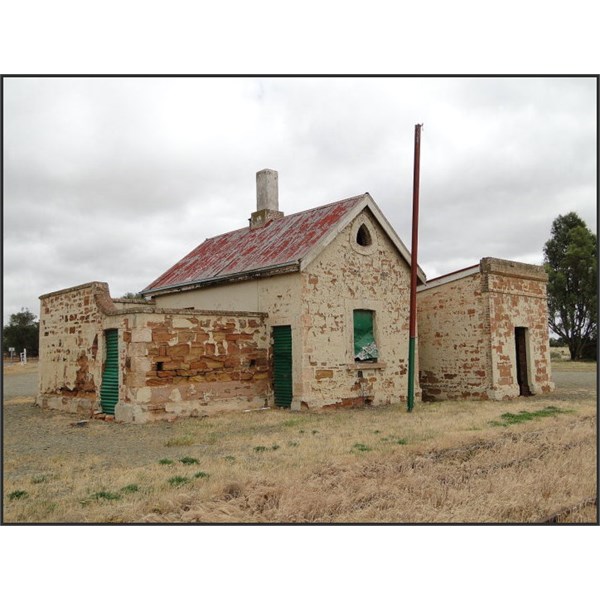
(282, 365)
(109, 390)
(364, 340)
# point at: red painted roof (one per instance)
(278, 243)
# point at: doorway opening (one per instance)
(521, 360)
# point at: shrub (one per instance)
(361, 447)
(17, 495)
(178, 481)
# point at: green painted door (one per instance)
(282, 365)
(109, 390)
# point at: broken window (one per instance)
(365, 348)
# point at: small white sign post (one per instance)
(12, 353)
(24, 356)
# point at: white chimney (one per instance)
(267, 199)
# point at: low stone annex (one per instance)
(302, 311)
(483, 333)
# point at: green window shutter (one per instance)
(282, 365)
(364, 340)
(109, 390)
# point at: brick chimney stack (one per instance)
(267, 199)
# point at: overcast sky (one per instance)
(117, 179)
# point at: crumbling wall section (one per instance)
(171, 362)
(190, 363)
(71, 347)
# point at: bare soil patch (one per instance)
(452, 462)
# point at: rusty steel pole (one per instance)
(413, 271)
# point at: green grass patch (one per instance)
(188, 460)
(201, 475)
(130, 489)
(275, 447)
(165, 461)
(17, 495)
(291, 422)
(104, 495)
(39, 479)
(361, 447)
(178, 481)
(524, 415)
(229, 458)
(293, 443)
(260, 448)
(182, 440)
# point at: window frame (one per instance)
(373, 332)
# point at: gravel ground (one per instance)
(30, 430)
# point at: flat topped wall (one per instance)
(171, 362)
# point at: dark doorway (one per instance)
(521, 356)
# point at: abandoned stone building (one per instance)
(483, 332)
(306, 310)
(309, 310)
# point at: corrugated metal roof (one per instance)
(280, 242)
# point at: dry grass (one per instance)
(444, 462)
(573, 366)
(12, 368)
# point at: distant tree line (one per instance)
(21, 333)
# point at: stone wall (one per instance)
(454, 340)
(191, 363)
(71, 348)
(344, 278)
(517, 298)
(172, 362)
(466, 332)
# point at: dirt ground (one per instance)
(53, 467)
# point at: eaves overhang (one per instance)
(270, 271)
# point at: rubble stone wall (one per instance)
(172, 362)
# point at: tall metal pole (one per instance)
(413, 271)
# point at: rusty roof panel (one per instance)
(278, 242)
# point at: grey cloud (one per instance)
(117, 179)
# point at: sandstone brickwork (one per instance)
(318, 303)
(466, 332)
(347, 277)
(173, 362)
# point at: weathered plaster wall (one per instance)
(172, 362)
(517, 298)
(346, 277)
(467, 333)
(453, 339)
(242, 295)
(71, 348)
